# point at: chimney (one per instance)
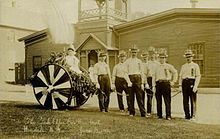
(193, 3)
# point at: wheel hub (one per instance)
(50, 87)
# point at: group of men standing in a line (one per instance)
(151, 75)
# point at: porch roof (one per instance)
(80, 47)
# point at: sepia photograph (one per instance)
(109, 69)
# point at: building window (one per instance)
(37, 63)
(198, 50)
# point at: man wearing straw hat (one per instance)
(151, 64)
(103, 81)
(164, 77)
(189, 79)
(144, 57)
(134, 68)
(121, 81)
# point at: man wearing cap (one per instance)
(144, 56)
(72, 61)
(103, 82)
(189, 79)
(164, 77)
(151, 64)
(121, 81)
(134, 68)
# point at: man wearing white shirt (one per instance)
(165, 76)
(134, 68)
(189, 79)
(121, 81)
(151, 64)
(103, 82)
(144, 57)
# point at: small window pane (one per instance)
(37, 63)
(198, 49)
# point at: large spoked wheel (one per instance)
(52, 87)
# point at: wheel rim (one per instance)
(52, 86)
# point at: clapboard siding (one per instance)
(176, 35)
(43, 49)
(173, 29)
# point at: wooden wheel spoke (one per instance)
(41, 97)
(51, 72)
(41, 76)
(54, 103)
(37, 82)
(39, 89)
(60, 103)
(56, 70)
(62, 97)
(65, 85)
(62, 79)
(48, 101)
(46, 73)
(59, 75)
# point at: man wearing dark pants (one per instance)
(189, 79)
(103, 82)
(135, 72)
(104, 96)
(163, 74)
(149, 96)
(144, 56)
(163, 90)
(121, 81)
(136, 90)
(151, 64)
(121, 85)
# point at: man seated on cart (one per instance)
(71, 61)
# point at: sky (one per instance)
(58, 15)
(154, 6)
(69, 7)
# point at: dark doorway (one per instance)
(92, 57)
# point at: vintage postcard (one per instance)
(125, 69)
